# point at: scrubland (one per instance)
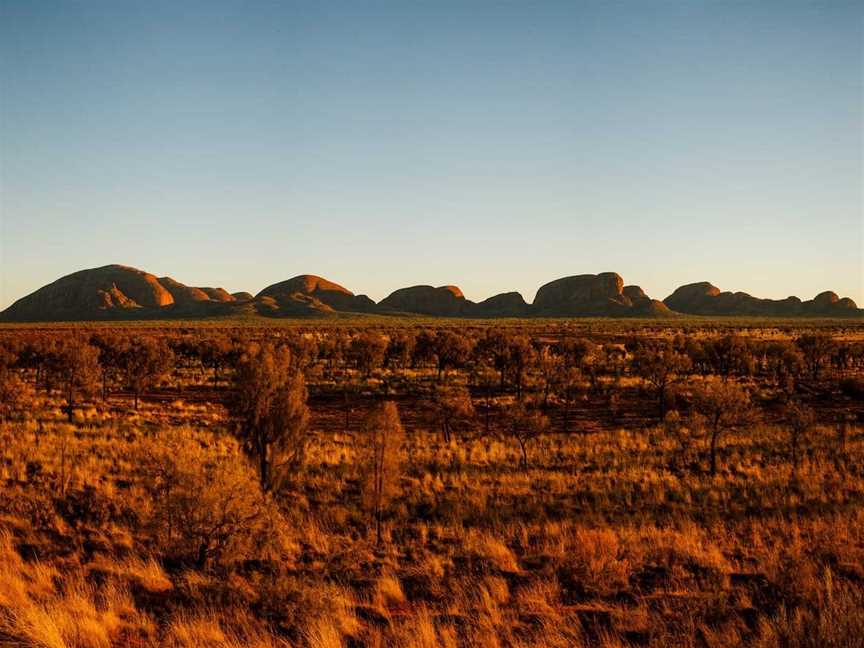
(527, 485)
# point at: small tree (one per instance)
(570, 384)
(486, 379)
(217, 353)
(451, 350)
(145, 361)
(525, 425)
(110, 359)
(494, 348)
(817, 350)
(15, 392)
(521, 355)
(800, 419)
(725, 405)
(206, 508)
(661, 370)
(367, 351)
(549, 366)
(452, 410)
(77, 369)
(271, 406)
(400, 348)
(381, 462)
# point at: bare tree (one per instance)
(452, 410)
(725, 405)
(817, 350)
(486, 379)
(661, 370)
(381, 461)
(521, 354)
(549, 365)
(800, 419)
(570, 385)
(525, 425)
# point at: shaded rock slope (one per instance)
(122, 292)
(310, 291)
(704, 298)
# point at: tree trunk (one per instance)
(378, 517)
(264, 468)
(201, 559)
(795, 455)
(524, 454)
(715, 435)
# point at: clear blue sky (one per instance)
(496, 146)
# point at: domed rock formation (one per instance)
(117, 291)
(635, 294)
(114, 291)
(444, 301)
(643, 306)
(705, 299)
(93, 293)
(182, 294)
(510, 304)
(581, 295)
(294, 305)
(692, 297)
(828, 303)
(217, 294)
(301, 287)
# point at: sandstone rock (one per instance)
(182, 294)
(705, 299)
(92, 294)
(509, 304)
(635, 294)
(447, 301)
(334, 296)
(580, 295)
(218, 294)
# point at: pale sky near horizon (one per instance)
(496, 146)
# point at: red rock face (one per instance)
(705, 299)
(217, 294)
(332, 294)
(306, 284)
(446, 301)
(183, 294)
(120, 291)
(599, 295)
(110, 291)
(509, 304)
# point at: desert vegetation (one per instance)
(406, 482)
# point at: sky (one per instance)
(495, 146)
